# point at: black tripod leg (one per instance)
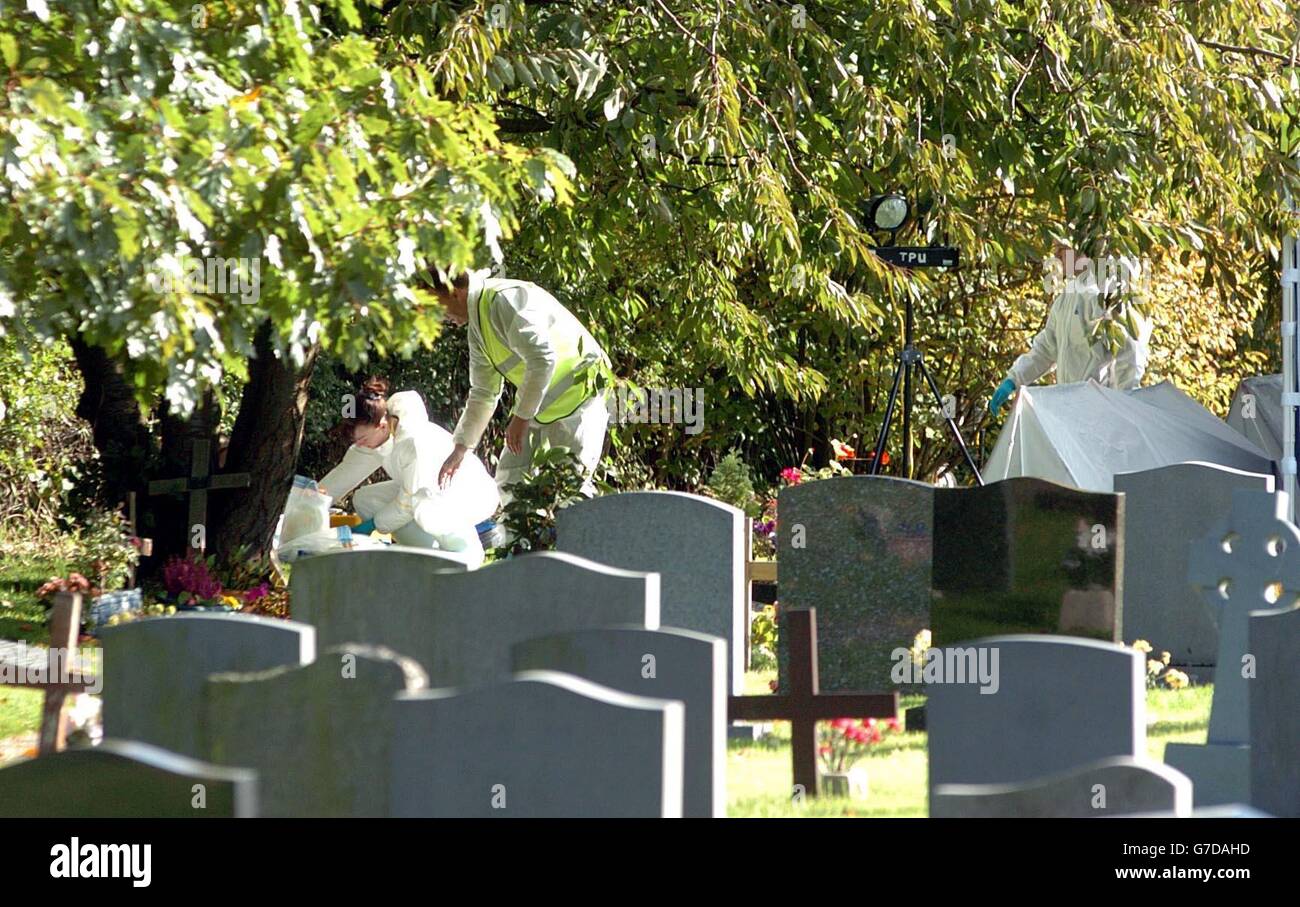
(889, 415)
(952, 423)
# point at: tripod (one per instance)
(909, 359)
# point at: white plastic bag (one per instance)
(307, 512)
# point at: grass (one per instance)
(758, 773)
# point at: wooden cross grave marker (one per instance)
(199, 483)
(804, 705)
(58, 671)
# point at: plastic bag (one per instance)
(307, 512)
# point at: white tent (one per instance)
(1084, 434)
(1261, 420)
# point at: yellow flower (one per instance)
(1175, 680)
(1142, 645)
(1154, 667)
(230, 601)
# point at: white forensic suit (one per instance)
(410, 505)
(1064, 343)
(520, 332)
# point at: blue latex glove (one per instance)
(1001, 395)
(364, 528)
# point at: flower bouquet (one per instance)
(841, 743)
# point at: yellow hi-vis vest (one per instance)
(577, 371)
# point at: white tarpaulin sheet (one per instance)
(1257, 412)
(1084, 434)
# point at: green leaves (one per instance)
(314, 174)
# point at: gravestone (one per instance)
(541, 745)
(1275, 712)
(1054, 704)
(155, 670)
(125, 780)
(1165, 510)
(678, 665)
(460, 625)
(1247, 562)
(340, 579)
(1109, 787)
(858, 550)
(318, 735)
(1027, 556)
(696, 545)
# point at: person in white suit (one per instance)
(1066, 342)
(395, 433)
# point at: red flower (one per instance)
(894, 725)
(771, 685)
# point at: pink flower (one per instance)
(894, 725)
(791, 476)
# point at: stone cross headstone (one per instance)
(125, 780)
(671, 664)
(858, 549)
(460, 625)
(156, 670)
(1110, 787)
(1053, 704)
(802, 703)
(1247, 562)
(1027, 556)
(197, 485)
(697, 546)
(319, 736)
(541, 745)
(1275, 712)
(1165, 510)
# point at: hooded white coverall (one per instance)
(410, 505)
(525, 317)
(1063, 343)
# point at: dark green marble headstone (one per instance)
(1027, 556)
(864, 564)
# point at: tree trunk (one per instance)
(265, 444)
(117, 425)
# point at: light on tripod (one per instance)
(888, 212)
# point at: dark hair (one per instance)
(439, 281)
(372, 402)
(371, 407)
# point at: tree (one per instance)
(724, 150)
(229, 190)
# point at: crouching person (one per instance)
(395, 433)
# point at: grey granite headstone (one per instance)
(664, 664)
(1165, 510)
(1275, 712)
(155, 670)
(1027, 556)
(1245, 563)
(319, 736)
(858, 549)
(125, 780)
(460, 625)
(1109, 787)
(395, 572)
(542, 745)
(1057, 703)
(696, 545)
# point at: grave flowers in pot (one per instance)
(841, 743)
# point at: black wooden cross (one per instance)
(199, 483)
(803, 705)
